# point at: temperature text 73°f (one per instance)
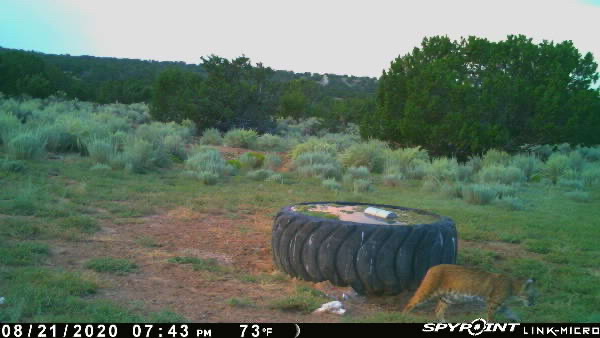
(255, 330)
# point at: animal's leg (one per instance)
(411, 305)
(426, 290)
(421, 295)
(491, 310)
(440, 309)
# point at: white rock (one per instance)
(338, 311)
(334, 307)
(2, 300)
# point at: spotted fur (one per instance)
(451, 284)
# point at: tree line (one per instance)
(464, 97)
(88, 78)
(236, 94)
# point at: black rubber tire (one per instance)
(373, 259)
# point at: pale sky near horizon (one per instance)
(329, 36)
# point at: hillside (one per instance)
(103, 79)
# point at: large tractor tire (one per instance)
(371, 258)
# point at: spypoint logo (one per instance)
(475, 328)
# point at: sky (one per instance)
(326, 36)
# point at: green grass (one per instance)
(22, 253)
(12, 166)
(33, 292)
(510, 203)
(22, 228)
(82, 223)
(117, 266)
(483, 259)
(36, 294)
(304, 300)
(148, 242)
(241, 302)
(200, 264)
(264, 278)
(539, 246)
(26, 200)
(578, 196)
(511, 238)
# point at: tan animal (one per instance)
(451, 284)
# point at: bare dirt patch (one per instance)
(231, 152)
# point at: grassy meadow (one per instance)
(67, 168)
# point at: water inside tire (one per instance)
(355, 213)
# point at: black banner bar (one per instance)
(292, 330)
